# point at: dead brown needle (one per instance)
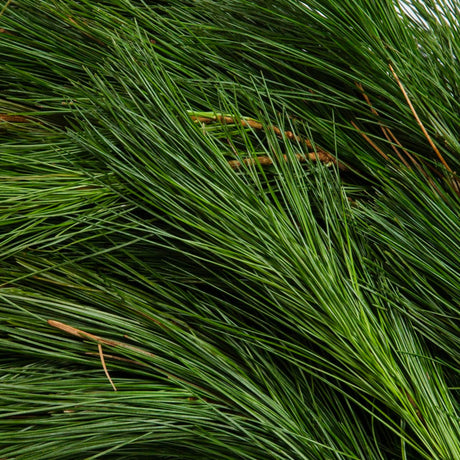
(86, 335)
(101, 354)
(385, 130)
(425, 132)
(370, 141)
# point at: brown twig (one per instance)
(265, 160)
(391, 137)
(419, 122)
(318, 154)
(4, 31)
(101, 355)
(100, 340)
(371, 142)
(114, 343)
(374, 145)
(14, 118)
(386, 131)
(411, 158)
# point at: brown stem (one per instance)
(113, 343)
(389, 134)
(391, 137)
(319, 154)
(100, 340)
(411, 158)
(4, 31)
(386, 131)
(371, 142)
(101, 355)
(425, 132)
(265, 160)
(14, 118)
(374, 145)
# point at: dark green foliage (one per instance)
(280, 310)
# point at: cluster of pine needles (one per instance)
(230, 229)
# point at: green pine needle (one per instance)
(229, 230)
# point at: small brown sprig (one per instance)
(114, 343)
(95, 338)
(454, 180)
(316, 154)
(100, 341)
(265, 160)
(101, 355)
(14, 118)
(386, 131)
(419, 122)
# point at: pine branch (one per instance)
(318, 153)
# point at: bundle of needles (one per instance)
(230, 229)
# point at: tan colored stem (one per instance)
(113, 343)
(248, 122)
(100, 340)
(392, 138)
(265, 160)
(101, 355)
(318, 154)
(385, 130)
(425, 132)
(14, 118)
(4, 31)
(371, 142)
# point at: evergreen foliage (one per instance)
(230, 229)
